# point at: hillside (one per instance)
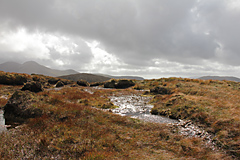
(220, 78)
(121, 77)
(33, 67)
(85, 76)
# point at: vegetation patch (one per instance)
(71, 127)
(213, 105)
(13, 78)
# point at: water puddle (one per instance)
(136, 106)
(2, 122)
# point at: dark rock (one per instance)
(119, 84)
(33, 87)
(110, 84)
(53, 80)
(66, 82)
(161, 90)
(94, 84)
(122, 84)
(83, 83)
(19, 108)
(59, 84)
(12, 79)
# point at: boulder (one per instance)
(110, 84)
(19, 107)
(33, 87)
(119, 84)
(59, 84)
(53, 80)
(83, 83)
(122, 84)
(12, 78)
(161, 90)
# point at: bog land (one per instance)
(53, 118)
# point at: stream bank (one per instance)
(137, 106)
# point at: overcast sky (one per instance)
(149, 38)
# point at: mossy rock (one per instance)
(110, 84)
(53, 80)
(33, 87)
(83, 83)
(12, 78)
(59, 84)
(119, 84)
(124, 83)
(19, 107)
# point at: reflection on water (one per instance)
(137, 106)
(2, 122)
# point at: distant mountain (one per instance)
(220, 78)
(122, 77)
(33, 67)
(9, 66)
(85, 76)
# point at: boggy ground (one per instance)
(213, 105)
(71, 127)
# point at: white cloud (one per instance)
(102, 61)
(20, 41)
(233, 5)
(148, 38)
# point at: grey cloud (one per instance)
(223, 23)
(186, 31)
(134, 31)
(77, 57)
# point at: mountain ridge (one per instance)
(221, 78)
(85, 76)
(121, 77)
(31, 67)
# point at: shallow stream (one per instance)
(2, 122)
(136, 106)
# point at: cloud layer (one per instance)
(148, 38)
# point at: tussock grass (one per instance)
(72, 127)
(212, 104)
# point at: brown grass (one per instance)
(214, 105)
(71, 128)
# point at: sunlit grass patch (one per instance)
(3, 101)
